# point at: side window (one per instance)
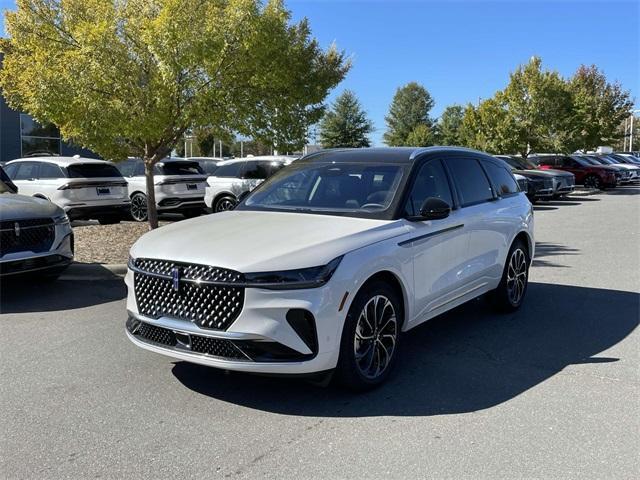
(568, 162)
(431, 181)
(27, 171)
(502, 180)
(471, 181)
(50, 170)
(11, 170)
(126, 167)
(231, 170)
(257, 170)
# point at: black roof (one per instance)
(405, 155)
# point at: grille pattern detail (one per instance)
(36, 235)
(209, 346)
(156, 334)
(216, 347)
(208, 306)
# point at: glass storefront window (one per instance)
(37, 138)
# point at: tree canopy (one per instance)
(130, 77)
(408, 118)
(449, 125)
(345, 124)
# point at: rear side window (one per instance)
(431, 181)
(231, 170)
(92, 170)
(502, 180)
(179, 168)
(258, 170)
(471, 181)
(128, 167)
(549, 162)
(569, 162)
(26, 171)
(208, 167)
(50, 170)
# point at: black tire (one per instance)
(352, 373)
(511, 291)
(192, 212)
(111, 220)
(139, 207)
(225, 203)
(593, 181)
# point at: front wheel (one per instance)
(593, 181)
(515, 278)
(369, 344)
(139, 207)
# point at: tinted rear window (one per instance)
(179, 168)
(92, 170)
(502, 180)
(472, 183)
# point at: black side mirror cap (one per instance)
(433, 208)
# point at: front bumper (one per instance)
(260, 340)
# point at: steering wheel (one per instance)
(371, 205)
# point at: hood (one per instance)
(248, 241)
(542, 174)
(556, 173)
(21, 207)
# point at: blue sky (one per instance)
(464, 50)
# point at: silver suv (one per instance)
(233, 178)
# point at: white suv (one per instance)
(234, 178)
(325, 264)
(85, 188)
(179, 186)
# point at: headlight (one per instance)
(293, 279)
(61, 219)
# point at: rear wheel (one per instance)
(225, 203)
(369, 344)
(513, 286)
(139, 207)
(593, 181)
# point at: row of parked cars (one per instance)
(553, 176)
(96, 189)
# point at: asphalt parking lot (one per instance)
(549, 392)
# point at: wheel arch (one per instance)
(220, 195)
(391, 279)
(136, 192)
(526, 239)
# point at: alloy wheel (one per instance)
(225, 204)
(516, 276)
(139, 208)
(376, 336)
(592, 182)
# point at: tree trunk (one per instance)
(152, 212)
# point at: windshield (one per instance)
(361, 190)
(92, 170)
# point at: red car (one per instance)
(593, 176)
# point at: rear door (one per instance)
(478, 209)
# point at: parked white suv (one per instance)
(325, 264)
(85, 188)
(179, 186)
(234, 178)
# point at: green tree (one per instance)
(449, 125)
(345, 124)
(410, 107)
(421, 136)
(488, 127)
(599, 108)
(130, 77)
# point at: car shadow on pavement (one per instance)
(541, 208)
(624, 190)
(466, 360)
(29, 295)
(546, 249)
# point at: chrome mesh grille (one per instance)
(208, 306)
(215, 347)
(35, 235)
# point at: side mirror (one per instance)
(434, 208)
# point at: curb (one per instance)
(94, 271)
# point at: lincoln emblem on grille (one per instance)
(16, 228)
(175, 276)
